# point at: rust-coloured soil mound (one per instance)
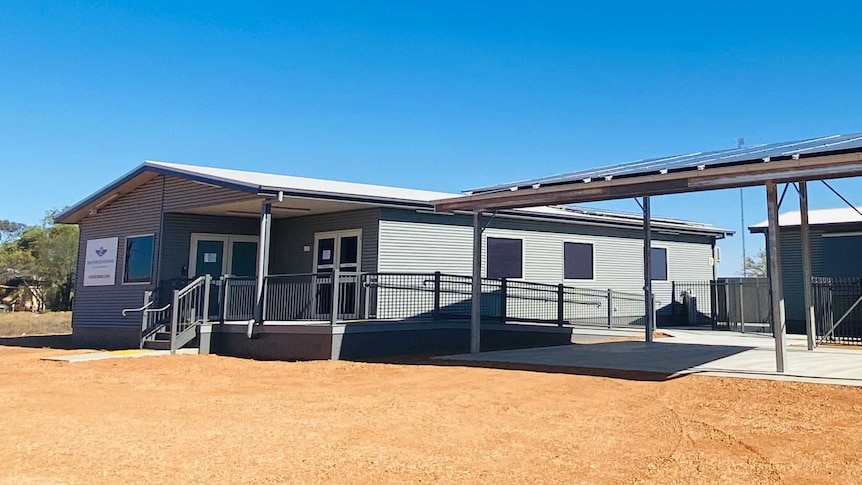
(208, 419)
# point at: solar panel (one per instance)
(694, 161)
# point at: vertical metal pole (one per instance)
(805, 235)
(475, 308)
(145, 315)
(437, 281)
(333, 313)
(741, 307)
(366, 312)
(504, 291)
(775, 292)
(148, 295)
(205, 314)
(648, 313)
(673, 302)
(262, 258)
(175, 316)
(561, 298)
(610, 308)
(225, 299)
(742, 231)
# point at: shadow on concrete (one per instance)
(54, 341)
(620, 360)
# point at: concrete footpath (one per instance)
(704, 352)
(115, 354)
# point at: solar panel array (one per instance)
(692, 161)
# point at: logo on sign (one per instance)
(101, 251)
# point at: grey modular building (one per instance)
(283, 267)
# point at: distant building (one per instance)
(20, 294)
(836, 252)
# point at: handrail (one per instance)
(156, 310)
(191, 286)
(190, 310)
(126, 311)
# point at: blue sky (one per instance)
(435, 95)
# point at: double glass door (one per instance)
(342, 250)
(221, 254)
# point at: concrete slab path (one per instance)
(705, 352)
(115, 354)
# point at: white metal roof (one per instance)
(838, 215)
(289, 182)
(380, 195)
(334, 187)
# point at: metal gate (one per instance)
(838, 310)
(740, 304)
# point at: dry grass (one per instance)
(17, 323)
(210, 419)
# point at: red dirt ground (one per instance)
(208, 419)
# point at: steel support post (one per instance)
(610, 308)
(336, 296)
(649, 315)
(775, 292)
(475, 302)
(205, 314)
(805, 235)
(262, 259)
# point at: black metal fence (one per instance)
(726, 304)
(238, 298)
(399, 296)
(838, 310)
(438, 295)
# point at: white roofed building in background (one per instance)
(837, 215)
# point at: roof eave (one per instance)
(681, 228)
(134, 179)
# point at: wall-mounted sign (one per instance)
(210, 257)
(100, 262)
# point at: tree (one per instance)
(756, 267)
(10, 230)
(46, 254)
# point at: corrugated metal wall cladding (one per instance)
(133, 214)
(290, 236)
(505, 222)
(178, 230)
(791, 268)
(138, 212)
(424, 247)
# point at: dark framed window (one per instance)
(505, 258)
(577, 261)
(658, 266)
(841, 255)
(139, 259)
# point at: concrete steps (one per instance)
(161, 340)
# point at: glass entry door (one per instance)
(223, 254)
(342, 250)
(209, 258)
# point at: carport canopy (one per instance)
(821, 158)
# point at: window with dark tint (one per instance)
(505, 258)
(842, 256)
(349, 250)
(326, 252)
(139, 259)
(577, 261)
(658, 268)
